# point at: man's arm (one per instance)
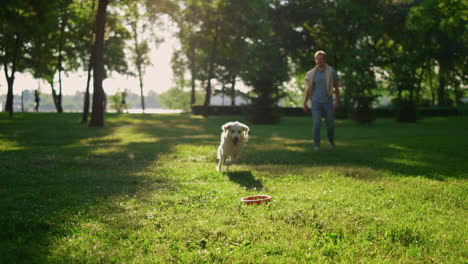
(337, 95)
(306, 98)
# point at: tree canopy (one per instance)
(412, 51)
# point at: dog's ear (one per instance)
(245, 128)
(226, 126)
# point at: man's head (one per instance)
(320, 58)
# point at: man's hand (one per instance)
(306, 107)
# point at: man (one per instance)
(124, 101)
(321, 83)
(37, 100)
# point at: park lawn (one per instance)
(144, 189)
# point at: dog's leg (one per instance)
(220, 157)
(222, 160)
(227, 163)
(218, 168)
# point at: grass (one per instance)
(144, 190)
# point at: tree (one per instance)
(97, 116)
(190, 56)
(200, 29)
(140, 49)
(442, 25)
(265, 66)
(86, 55)
(114, 46)
(18, 21)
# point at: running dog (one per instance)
(233, 139)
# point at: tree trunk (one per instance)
(442, 84)
(140, 76)
(9, 99)
(58, 98)
(60, 60)
(11, 78)
(97, 116)
(233, 91)
(211, 70)
(55, 98)
(263, 111)
(192, 96)
(22, 101)
(192, 73)
(431, 70)
(138, 62)
(419, 86)
(84, 117)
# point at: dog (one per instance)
(233, 139)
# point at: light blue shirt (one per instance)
(320, 94)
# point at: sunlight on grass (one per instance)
(408, 162)
(145, 189)
(9, 145)
(397, 147)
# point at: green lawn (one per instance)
(144, 189)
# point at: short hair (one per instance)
(320, 52)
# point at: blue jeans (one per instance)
(320, 110)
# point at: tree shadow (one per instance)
(54, 168)
(245, 179)
(366, 153)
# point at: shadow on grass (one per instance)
(358, 162)
(245, 179)
(56, 168)
(430, 149)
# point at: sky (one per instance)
(158, 76)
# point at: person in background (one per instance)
(37, 100)
(321, 85)
(124, 101)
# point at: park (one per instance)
(85, 179)
(144, 189)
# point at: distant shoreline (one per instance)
(130, 111)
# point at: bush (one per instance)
(439, 111)
(407, 111)
(463, 109)
(263, 115)
(219, 110)
(342, 112)
(292, 111)
(384, 112)
(116, 102)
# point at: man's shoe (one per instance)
(316, 148)
(333, 145)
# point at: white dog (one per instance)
(233, 139)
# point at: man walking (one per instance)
(37, 100)
(321, 83)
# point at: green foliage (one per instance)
(144, 189)
(419, 45)
(176, 98)
(116, 102)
